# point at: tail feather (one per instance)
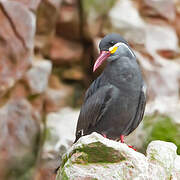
(77, 137)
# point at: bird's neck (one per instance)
(122, 72)
(113, 69)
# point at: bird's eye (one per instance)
(111, 43)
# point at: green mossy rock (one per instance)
(159, 127)
(95, 157)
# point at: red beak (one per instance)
(103, 56)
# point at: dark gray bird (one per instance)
(114, 103)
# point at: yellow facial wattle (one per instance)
(113, 49)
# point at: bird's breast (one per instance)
(124, 74)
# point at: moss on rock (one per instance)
(96, 157)
(97, 153)
(163, 128)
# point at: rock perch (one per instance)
(96, 157)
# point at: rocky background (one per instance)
(47, 51)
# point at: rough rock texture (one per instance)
(37, 76)
(19, 132)
(57, 95)
(158, 8)
(127, 23)
(57, 126)
(16, 42)
(65, 52)
(59, 137)
(94, 157)
(47, 14)
(68, 21)
(31, 4)
(23, 80)
(94, 16)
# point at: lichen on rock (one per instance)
(95, 157)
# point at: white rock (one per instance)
(161, 156)
(56, 98)
(37, 77)
(127, 23)
(176, 170)
(165, 98)
(94, 156)
(61, 129)
(19, 131)
(161, 7)
(160, 38)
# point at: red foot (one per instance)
(122, 138)
(132, 148)
(104, 136)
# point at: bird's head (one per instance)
(109, 47)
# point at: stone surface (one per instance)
(61, 126)
(75, 73)
(94, 16)
(47, 14)
(128, 23)
(57, 95)
(68, 21)
(63, 51)
(19, 131)
(31, 4)
(156, 34)
(158, 9)
(176, 170)
(37, 76)
(156, 68)
(165, 98)
(16, 42)
(59, 137)
(177, 24)
(95, 157)
(161, 154)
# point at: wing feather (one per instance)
(140, 110)
(93, 108)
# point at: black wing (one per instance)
(96, 84)
(140, 110)
(96, 98)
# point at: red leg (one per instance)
(104, 136)
(132, 148)
(122, 138)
